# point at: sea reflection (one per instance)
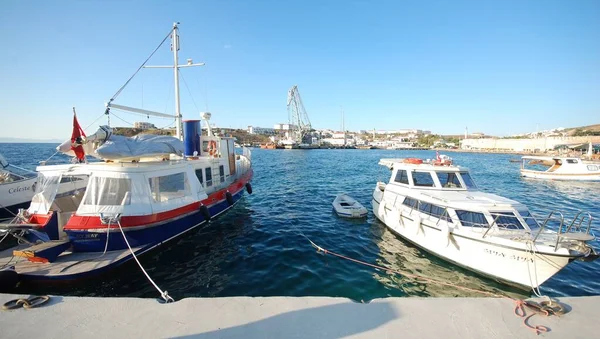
(404, 257)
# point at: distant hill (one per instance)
(30, 141)
(129, 132)
(584, 130)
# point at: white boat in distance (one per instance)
(347, 207)
(440, 209)
(562, 168)
(17, 187)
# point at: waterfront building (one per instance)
(143, 125)
(261, 130)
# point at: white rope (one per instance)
(165, 294)
(535, 287)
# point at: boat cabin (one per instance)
(448, 194)
(429, 176)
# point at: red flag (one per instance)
(76, 142)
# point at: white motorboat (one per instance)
(347, 207)
(561, 168)
(17, 187)
(438, 207)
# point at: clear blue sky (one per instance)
(498, 67)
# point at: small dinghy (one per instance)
(348, 207)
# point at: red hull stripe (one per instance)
(81, 223)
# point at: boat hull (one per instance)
(96, 241)
(15, 195)
(510, 265)
(559, 176)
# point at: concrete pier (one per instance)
(286, 317)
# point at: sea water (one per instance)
(261, 247)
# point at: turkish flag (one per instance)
(76, 141)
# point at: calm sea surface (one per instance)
(257, 248)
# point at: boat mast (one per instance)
(175, 49)
(176, 66)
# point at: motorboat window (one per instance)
(422, 179)
(466, 177)
(401, 177)
(410, 202)
(449, 180)
(571, 161)
(529, 220)
(507, 220)
(169, 187)
(222, 173)
(438, 212)
(592, 168)
(472, 219)
(427, 208)
(102, 191)
(208, 176)
(199, 175)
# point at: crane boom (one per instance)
(298, 117)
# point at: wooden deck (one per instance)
(68, 265)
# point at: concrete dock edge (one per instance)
(291, 317)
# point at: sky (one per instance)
(497, 67)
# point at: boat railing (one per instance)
(578, 221)
(550, 216)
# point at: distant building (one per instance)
(261, 130)
(284, 127)
(143, 125)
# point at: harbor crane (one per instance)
(300, 127)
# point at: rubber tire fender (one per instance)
(248, 188)
(229, 198)
(205, 212)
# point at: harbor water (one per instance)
(261, 246)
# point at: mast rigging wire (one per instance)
(141, 66)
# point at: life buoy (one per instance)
(413, 161)
(249, 188)
(229, 198)
(212, 148)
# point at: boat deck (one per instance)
(67, 266)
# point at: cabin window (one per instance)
(472, 219)
(169, 187)
(208, 175)
(425, 207)
(107, 191)
(529, 220)
(592, 168)
(449, 180)
(439, 212)
(401, 177)
(571, 161)
(199, 176)
(423, 179)
(467, 179)
(222, 173)
(507, 220)
(410, 202)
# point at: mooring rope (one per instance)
(163, 294)
(519, 303)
